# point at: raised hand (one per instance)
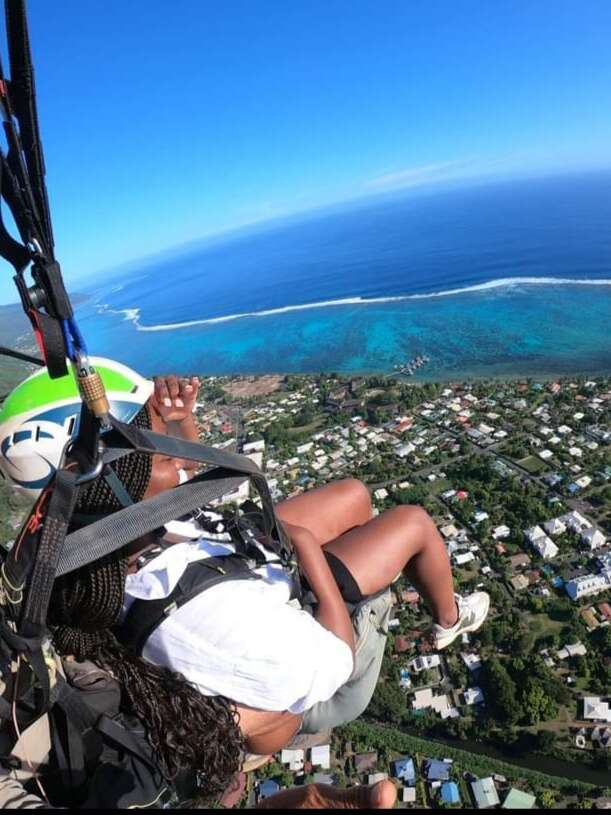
(174, 397)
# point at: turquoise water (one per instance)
(505, 280)
(518, 329)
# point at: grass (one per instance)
(318, 422)
(542, 625)
(439, 486)
(533, 465)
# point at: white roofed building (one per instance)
(588, 585)
(320, 756)
(294, 759)
(534, 533)
(555, 527)
(545, 547)
(501, 532)
(575, 521)
(593, 538)
(595, 709)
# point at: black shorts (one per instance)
(346, 583)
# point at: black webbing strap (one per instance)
(144, 616)
(55, 526)
(118, 487)
(23, 96)
(146, 441)
(116, 530)
(10, 352)
(15, 252)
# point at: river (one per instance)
(533, 761)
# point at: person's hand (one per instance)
(174, 398)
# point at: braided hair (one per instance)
(187, 730)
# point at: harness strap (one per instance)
(146, 441)
(118, 487)
(55, 526)
(144, 616)
(126, 525)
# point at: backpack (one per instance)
(98, 757)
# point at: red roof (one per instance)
(605, 610)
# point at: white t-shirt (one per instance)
(241, 638)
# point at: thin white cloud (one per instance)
(471, 167)
(423, 174)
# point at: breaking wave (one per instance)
(133, 314)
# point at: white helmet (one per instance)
(39, 417)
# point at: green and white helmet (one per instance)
(40, 416)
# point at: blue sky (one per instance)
(165, 122)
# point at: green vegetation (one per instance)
(389, 741)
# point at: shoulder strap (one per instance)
(144, 616)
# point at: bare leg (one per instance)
(403, 539)
(324, 796)
(328, 511)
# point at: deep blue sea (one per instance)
(504, 279)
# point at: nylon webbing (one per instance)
(147, 441)
(59, 511)
(114, 531)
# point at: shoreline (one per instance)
(418, 380)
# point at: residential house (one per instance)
(516, 799)
(320, 756)
(462, 558)
(518, 561)
(578, 649)
(501, 532)
(403, 768)
(520, 582)
(595, 709)
(474, 696)
(402, 643)
(365, 761)
(408, 795)
(555, 527)
(546, 547)
(449, 793)
(472, 661)
(485, 793)
(294, 758)
(425, 663)
(588, 584)
(438, 770)
(592, 538)
(268, 788)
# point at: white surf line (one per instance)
(133, 314)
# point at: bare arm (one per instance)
(331, 612)
(173, 401)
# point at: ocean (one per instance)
(488, 280)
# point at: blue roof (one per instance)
(268, 787)
(404, 768)
(449, 793)
(558, 582)
(438, 770)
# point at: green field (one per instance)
(533, 465)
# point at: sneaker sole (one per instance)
(467, 630)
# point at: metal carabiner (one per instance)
(91, 474)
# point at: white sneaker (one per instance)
(472, 611)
